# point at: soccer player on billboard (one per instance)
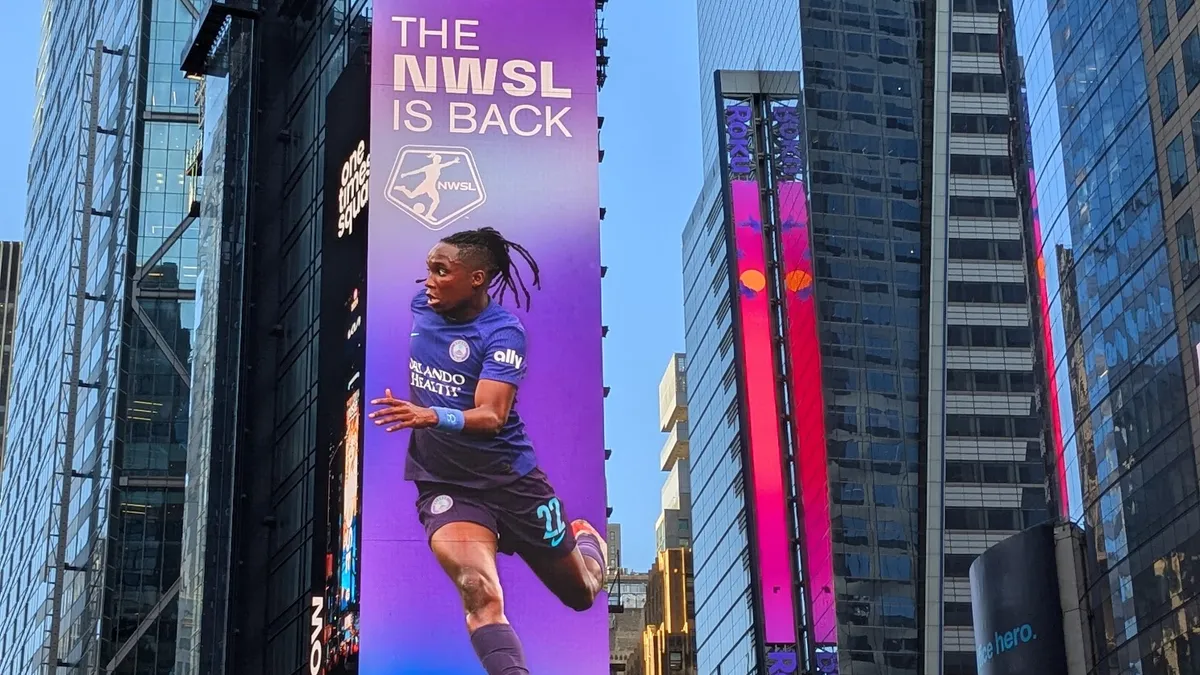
(480, 491)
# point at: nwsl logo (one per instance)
(788, 136)
(739, 126)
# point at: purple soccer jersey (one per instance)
(447, 360)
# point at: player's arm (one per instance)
(503, 370)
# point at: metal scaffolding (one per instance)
(73, 647)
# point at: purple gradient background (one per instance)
(543, 193)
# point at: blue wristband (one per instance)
(449, 419)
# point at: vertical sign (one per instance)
(334, 612)
(755, 351)
(789, 162)
(483, 114)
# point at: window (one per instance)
(1168, 92)
(980, 165)
(1196, 136)
(1190, 53)
(1185, 236)
(1158, 22)
(978, 83)
(1177, 165)
(1182, 6)
(976, 43)
(983, 207)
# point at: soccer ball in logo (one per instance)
(460, 351)
(436, 185)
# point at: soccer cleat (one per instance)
(583, 527)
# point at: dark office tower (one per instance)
(10, 268)
(91, 505)
(1113, 131)
(860, 376)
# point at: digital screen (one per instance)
(333, 643)
(768, 496)
(483, 114)
(804, 357)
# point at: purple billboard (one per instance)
(483, 370)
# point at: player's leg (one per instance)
(569, 557)
(462, 536)
(576, 578)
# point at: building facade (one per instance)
(669, 640)
(673, 528)
(10, 275)
(924, 375)
(1112, 119)
(92, 507)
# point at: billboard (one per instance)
(1015, 606)
(483, 114)
(334, 627)
(789, 161)
(771, 535)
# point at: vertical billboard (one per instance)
(789, 164)
(772, 534)
(334, 629)
(483, 115)
(1015, 606)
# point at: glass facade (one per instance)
(725, 631)
(1109, 114)
(92, 513)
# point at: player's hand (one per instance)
(397, 414)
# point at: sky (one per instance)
(649, 181)
(20, 33)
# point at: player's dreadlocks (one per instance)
(495, 254)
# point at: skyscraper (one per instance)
(673, 529)
(92, 505)
(10, 269)
(882, 216)
(1113, 115)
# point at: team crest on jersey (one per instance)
(460, 351)
(440, 504)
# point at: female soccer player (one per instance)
(480, 491)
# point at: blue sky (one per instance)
(19, 35)
(649, 181)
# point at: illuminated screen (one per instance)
(804, 356)
(762, 413)
(483, 114)
(772, 535)
(333, 642)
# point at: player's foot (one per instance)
(582, 528)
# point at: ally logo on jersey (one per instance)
(509, 357)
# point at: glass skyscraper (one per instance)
(932, 439)
(1114, 131)
(92, 502)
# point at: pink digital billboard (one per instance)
(772, 535)
(808, 407)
